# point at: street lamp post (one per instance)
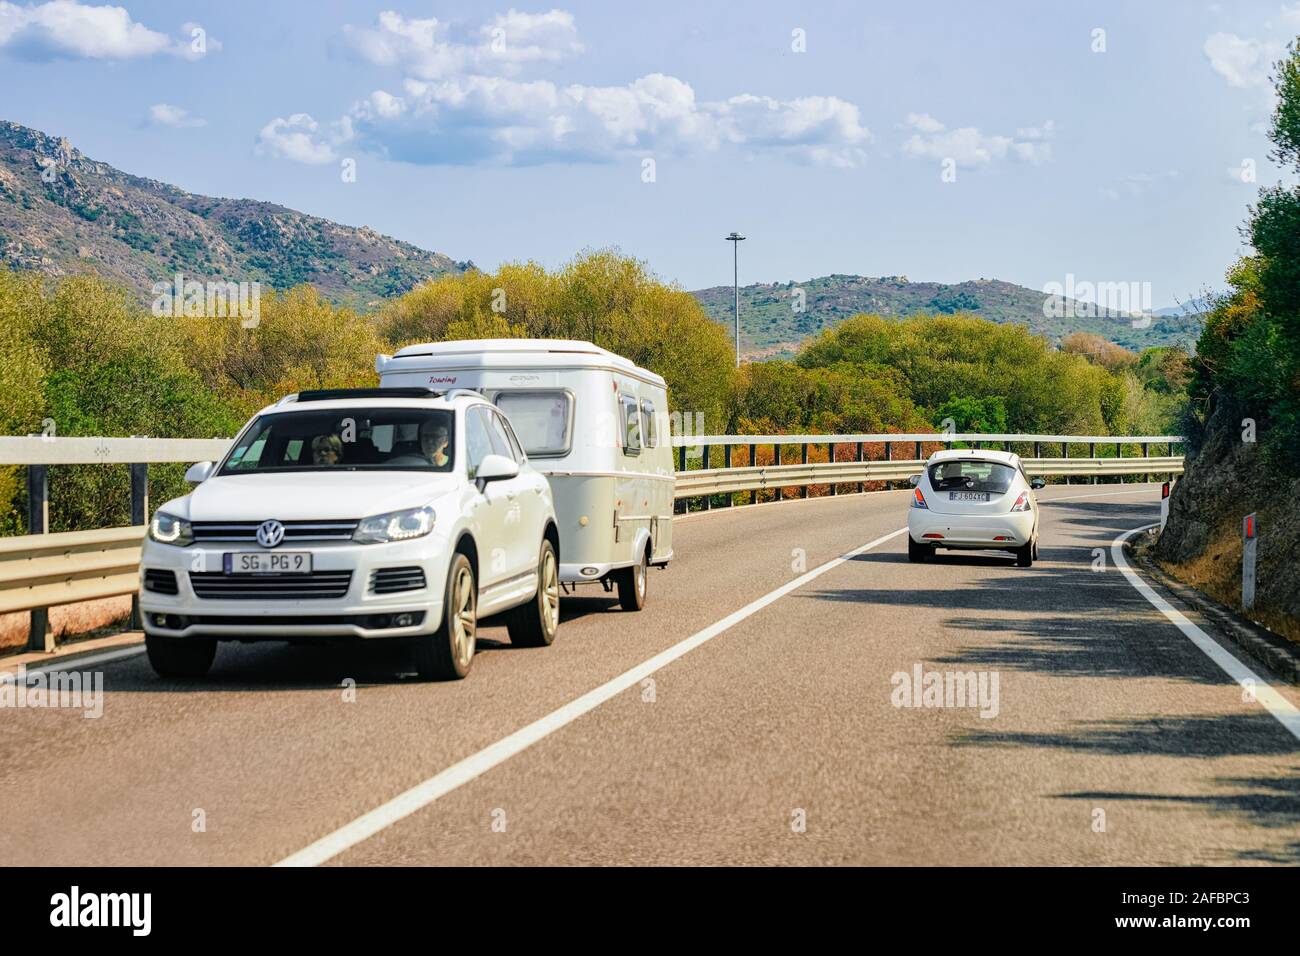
(735, 239)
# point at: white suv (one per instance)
(972, 499)
(396, 513)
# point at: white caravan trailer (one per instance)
(591, 421)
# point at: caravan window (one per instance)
(541, 418)
(648, 417)
(631, 425)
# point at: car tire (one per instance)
(1025, 555)
(186, 658)
(632, 583)
(535, 624)
(919, 552)
(1035, 549)
(448, 652)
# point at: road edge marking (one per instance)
(475, 765)
(1281, 709)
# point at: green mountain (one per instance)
(772, 327)
(63, 213)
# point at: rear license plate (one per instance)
(267, 562)
(968, 496)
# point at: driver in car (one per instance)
(433, 442)
(326, 449)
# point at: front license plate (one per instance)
(268, 562)
(968, 496)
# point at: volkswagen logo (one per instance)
(270, 533)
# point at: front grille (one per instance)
(160, 581)
(245, 532)
(270, 587)
(393, 580)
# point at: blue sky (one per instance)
(499, 132)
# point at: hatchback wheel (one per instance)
(448, 652)
(1025, 555)
(919, 552)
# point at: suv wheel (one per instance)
(448, 652)
(183, 657)
(534, 624)
(632, 583)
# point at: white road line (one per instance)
(74, 663)
(423, 794)
(1282, 709)
(1107, 494)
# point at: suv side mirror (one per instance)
(199, 473)
(914, 480)
(1038, 483)
(495, 468)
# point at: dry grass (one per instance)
(1217, 573)
(69, 622)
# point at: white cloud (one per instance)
(426, 50)
(1135, 185)
(465, 100)
(969, 146)
(506, 121)
(1243, 62)
(301, 139)
(67, 29)
(176, 117)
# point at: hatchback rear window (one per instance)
(971, 475)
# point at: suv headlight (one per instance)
(169, 529)
(395, 526)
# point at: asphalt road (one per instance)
(770, 738)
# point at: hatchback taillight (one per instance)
(1022, 503)
(918, 499)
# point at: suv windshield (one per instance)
(971, 475)
(350, 439)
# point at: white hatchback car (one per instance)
(396, 513)
(972, 499)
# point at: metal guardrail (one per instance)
(40, 570)
(718, 481)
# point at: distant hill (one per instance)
(771, 327)
(62, 213)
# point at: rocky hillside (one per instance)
(770, 326)
(1201, 543)
(62, 212)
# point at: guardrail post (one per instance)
(684, 505)
(705, 465)
(803, 460)
(1038, 449)
(1119, 453)
(917, 454)
(776, 450)
(861, 486)
(1146, 453)
(726, 463)
(889, 456)
(1092, 453)
(39, 635)
(1065, 453)
(834, 487)
(753, 462)
(139, 515)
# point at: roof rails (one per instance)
(331, 394)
